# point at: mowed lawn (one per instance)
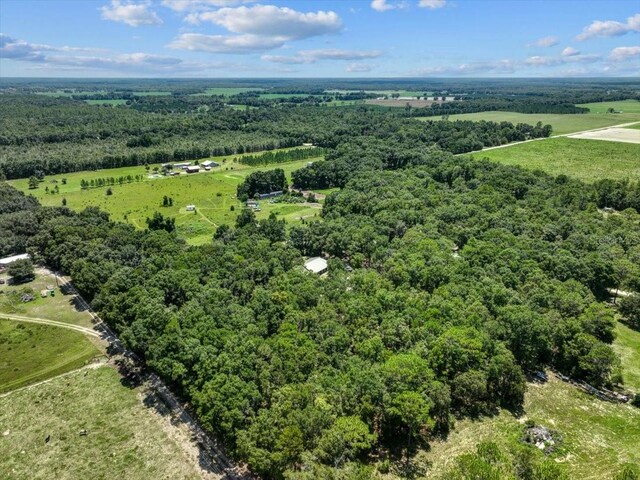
(623, 106)
(213, 194)
(588, 160)
(30, 353)
(126, 437)
(562, 124)
(598, 437)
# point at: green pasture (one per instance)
(588, 160)
(562, 124)
(129, 434)
(624, 106)
(120, 101)
(226, 91)
(30, 353)
(213, 194)
(627, 345)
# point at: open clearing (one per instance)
(623, 106)
(562, 124)
(627, 135)
(129, 435)
(598, 437)
(627, 345)
(213, 194)
(588, 160)
(399, 102)
(30, 353)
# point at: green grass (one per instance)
(60, 307)
(624, 106)
(627, 345)
(126, 438)
(562, 124)
(212, 192)
(588, 160)
(30, 353)
(120, 101)
(226, 91)
(597, 436)
(285, 95)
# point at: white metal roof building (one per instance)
(8, 260)
(316, 265)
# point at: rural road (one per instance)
(19, 318)
(621, 125)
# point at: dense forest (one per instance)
(449, 281)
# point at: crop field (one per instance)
(60, 307)
(128, 434)
(562, 124)
(213, 194)
(624, 106)
(598, 436)
(587, 160)
(30, 352)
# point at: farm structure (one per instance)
(209, 164)
(5, 262)
(316, 265)
(191, 208)
(193, 169)
(270, 194)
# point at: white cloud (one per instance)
(381, 5)
(610, 28)
(624, 53)
(225, 43)
(133, 14)
(545, 42)
(194, 5)
(313, 56)
(576, 57)
(473, 68)
(432, 4)
(570, 52)
(359, 68)
(272, 21)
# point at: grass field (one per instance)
(624, 106)
(120, 101)
(126, 437)
(627, 345)
(562, 124)
(588, 160)
(60, 308)
(211, 192)
(227, 91)
(597, 436)
(30, 353)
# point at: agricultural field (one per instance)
(213, 194)
(399, 102)
(598, 436)
(562, 124)
(588, 160)
(623, 106)
(30, 353)
(129, 434)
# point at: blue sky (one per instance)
(314, 38)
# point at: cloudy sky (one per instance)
(319, 38)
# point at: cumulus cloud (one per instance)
(624, 53)
(432, 4)
(472, 68)
(359, 68)
(545, 42)
(576, 57)
(133, 14)
(225, 43)
(192, 5)
(570, 52)
(610, 28)
(381, 5)
(272, 21)
(313, 56)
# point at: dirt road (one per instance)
(44, 321)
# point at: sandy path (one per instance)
(44, 321)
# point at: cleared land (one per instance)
(627, 345)
(129, 435)
(588, 160)
(623, 106)
(562, 124)
(598, 437)
(213, 194)
(626, 135)
(398, 102)
(62, 307)
(30, 353)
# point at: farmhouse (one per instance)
(193, 169)
(207, 164)
(316, 265)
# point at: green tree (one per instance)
(344, 440)
(33, 182)
(21, 271)
(629, 307)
